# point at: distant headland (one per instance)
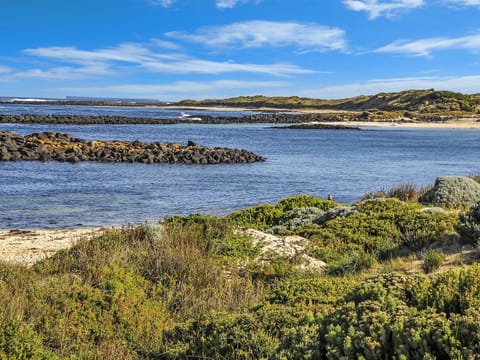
(420, 106)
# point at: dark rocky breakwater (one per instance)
(272, 118)
(51, 146)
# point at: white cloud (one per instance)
(227, 4)
(463, 2)
(466, 84)
(136, 57)
(178, 90)
(221, 4)
(163, 3)
(378, 8)
(190, 66)
(424, 47)
(165, 44)
(255, 34)
(5, 69)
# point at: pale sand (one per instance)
(26, 247)
(455, 124)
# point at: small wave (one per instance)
(30, 100)
(189, 117)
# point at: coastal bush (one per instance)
(404, 192)
(115, 296)
(292, 219)
(388, 316)
(475, 177)
(453, 192)
(262, 217)
(395, 316)
(190, 288)
(432, 261)
(469, 226)
(336, 212)
(379, 230)
(353, 263)
(323, 290)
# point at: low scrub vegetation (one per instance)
(197, 287)
(433, 260)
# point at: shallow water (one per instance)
(343, 163)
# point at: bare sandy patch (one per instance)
(292, 247)
(454, 124)
(26, 247)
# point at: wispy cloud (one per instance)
(387, 8)
(425, 47)
(465, 84)
(179, 90)
(5, 69)
(56, 73)
(221, 4)
(229, 4)
(166, 44)
(163, 3)
(255, 34)
(463, 2)
(190, 66)
(137, 57)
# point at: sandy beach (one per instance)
(456, 124)
(26, 247)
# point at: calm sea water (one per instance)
(343, 163)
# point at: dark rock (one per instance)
(62, 147)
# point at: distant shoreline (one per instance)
(320, 117)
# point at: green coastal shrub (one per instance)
(353, 263)
(336, 212)
(453, 192)
(312, 290)
(404, 317)
(379, 230)
(432, 261)
(293, 219)
(404, 192)
(469, 226)
(214, 235)
(189, 288)
(262, 217)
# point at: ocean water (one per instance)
(147, 111)
(346, 164)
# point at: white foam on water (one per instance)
(30, 100)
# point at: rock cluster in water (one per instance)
(51, 146)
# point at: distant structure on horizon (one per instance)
(107, 99)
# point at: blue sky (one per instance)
(178, 49)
